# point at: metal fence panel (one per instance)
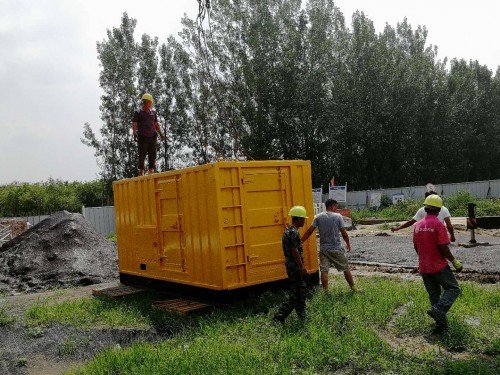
(33, 220)
(478, 189)
(101, 218)
(495, 188)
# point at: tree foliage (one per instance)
(20, 199)
(252, 79)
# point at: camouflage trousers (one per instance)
(296, 298)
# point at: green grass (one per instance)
(4, 317)
(133, 312)
(341, 334)
(456, 203)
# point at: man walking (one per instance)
(443, 216)
(145, 126)
(431, 244)
(295, 268)
(331, 226)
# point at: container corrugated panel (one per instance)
(216, 226)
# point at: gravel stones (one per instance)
(60, 251)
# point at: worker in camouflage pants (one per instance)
(295, 268)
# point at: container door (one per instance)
(169, 204)
(265, 199)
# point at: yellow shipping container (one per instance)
(215, 226)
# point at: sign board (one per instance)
(398, 197)
(375, 199)
(318, 195)
(339, 193)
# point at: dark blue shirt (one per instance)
(146, 122)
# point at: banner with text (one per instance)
(318, 195)
(339, 193)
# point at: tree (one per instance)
(252, 79)
(118, 55)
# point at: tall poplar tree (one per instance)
(118, 56)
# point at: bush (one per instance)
(44, 198)
(385, 201)
(457, 203)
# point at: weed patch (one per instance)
(456, 203)
(339, 335)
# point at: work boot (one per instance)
(438, 316)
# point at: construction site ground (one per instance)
(64, 241)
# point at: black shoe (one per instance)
(438, 316)
(438, 329)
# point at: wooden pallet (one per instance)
(181, 305)
(117, 291)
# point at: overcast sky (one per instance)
(49, 69)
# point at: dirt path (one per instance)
(26, 353)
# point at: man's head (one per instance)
(331, 204)
(299, 216)
(147, 101)
(433, 204)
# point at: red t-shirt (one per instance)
(428, 233)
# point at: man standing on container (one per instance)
(431, 244)
(444, 217)
(295, 268)
(331, 226)
(145, 126)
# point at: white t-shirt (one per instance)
(444, 213)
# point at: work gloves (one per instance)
(458, 266)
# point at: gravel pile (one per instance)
(60, 251)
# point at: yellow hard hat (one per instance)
(147, 97)
(434, 200)
(298, 211)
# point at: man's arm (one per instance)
(345, 236)
(449, 226)
(445, 251)
(298, 261)
(158, 129)
(135, 128)
(405, 225)
(308, 233)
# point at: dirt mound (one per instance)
(60, 251)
